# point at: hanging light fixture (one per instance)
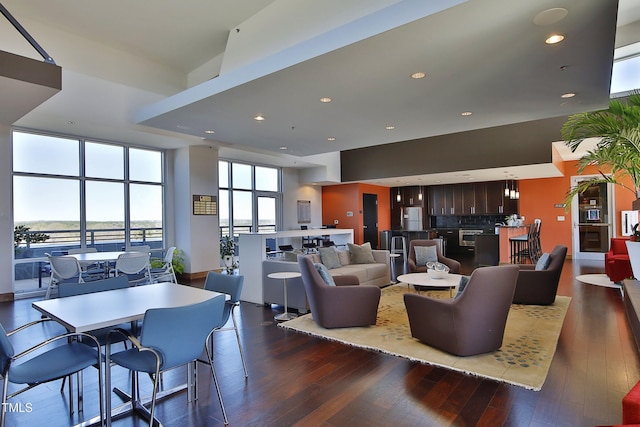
(398, 197)
(517, 191)
(512, 193)
(506, 188)
(420, 194)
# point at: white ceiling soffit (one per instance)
(482, 56)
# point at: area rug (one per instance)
(597, 280)
(529, 343)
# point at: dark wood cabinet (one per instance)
(436, 200)
(495, 197)
(479, 198)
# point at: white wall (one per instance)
(196, 173)
(292, 192)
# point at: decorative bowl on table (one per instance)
(437, 270)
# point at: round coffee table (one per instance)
(423, 279)
(284, 275)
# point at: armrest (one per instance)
(454, 266)
(346, 280)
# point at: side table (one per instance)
(284, 275)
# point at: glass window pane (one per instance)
(242, 211)
(104, 160)
(223, 174)
(266, 179)
(266, 214)
(50, 205)
(146, 213)
(105, 213)
(625, 75)
(241, 176)
(223, 208)
(145, 165)
(45, 154)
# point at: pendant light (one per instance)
(512, 192)
(506, 188)
(517, 196)
(398, 197)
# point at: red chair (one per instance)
(616, 261)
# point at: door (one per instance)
(592, 218)
(370, 218)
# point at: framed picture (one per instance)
(593, 214)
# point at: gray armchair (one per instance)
(474, 322)
(342, 306)
(539, 287)
(454, 266)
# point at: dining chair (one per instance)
(63, 268)
(135, 265)
(170, 337)
(231, 285)
(166, 271)
(88, 266)
(59, 361)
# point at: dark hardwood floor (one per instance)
(295, 379)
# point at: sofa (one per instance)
(377, 273)
(616, 262)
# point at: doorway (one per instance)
(370, 218)
(592, 216)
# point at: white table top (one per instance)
(97, 256)
(284, 275)
(423, 279)
(83, 313)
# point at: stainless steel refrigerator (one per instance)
(412, 219)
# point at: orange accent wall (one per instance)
(538, 197)
(337, 200)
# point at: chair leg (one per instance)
(235, 328)
(5, 388)
(215, 381)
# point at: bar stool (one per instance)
(399, 245)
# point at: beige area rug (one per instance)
(528, 347)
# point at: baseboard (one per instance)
(7, 297)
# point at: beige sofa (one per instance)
(376, 274)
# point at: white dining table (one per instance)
(91, 257)
(88, 312)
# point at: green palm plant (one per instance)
(617, 154)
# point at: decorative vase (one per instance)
(634, 257)
(228, 260)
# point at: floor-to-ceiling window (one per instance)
(71, 192)
(250, 198)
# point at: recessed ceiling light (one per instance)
(284, 147)
(331, 138)
(325, 100)
(390, 127)
(418, 75)
(466, 113)
(568, 95)
(259, 117)
(71, 122)
(550, 16)
(554, 38)
(210, 131)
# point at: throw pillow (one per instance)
(344, 256)
(329, 257)
(324, 273)
(425, 254)
(543, 262)
(361, 254)
(463, 284)
(293, 255)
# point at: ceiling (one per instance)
(483, 56)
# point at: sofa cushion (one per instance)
(329, 258)
(543, 262)
(292, 255)
(324, 273)
(361, 254)
(425, 254)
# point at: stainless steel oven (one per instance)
(468, 237)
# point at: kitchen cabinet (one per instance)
(436, 200)
(413, 196)
(451, 243)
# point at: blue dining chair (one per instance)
(62, 360)
(231, 285)
(170, 337)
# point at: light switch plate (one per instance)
(560, 218)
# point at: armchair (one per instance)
(454, 266)
(474, 322)
(616, 261)
(342, 306)
(539, 287)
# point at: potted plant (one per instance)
(177, 262)
(617, 154)
(21, 234)
(227, 253)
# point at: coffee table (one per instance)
(423, 279)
